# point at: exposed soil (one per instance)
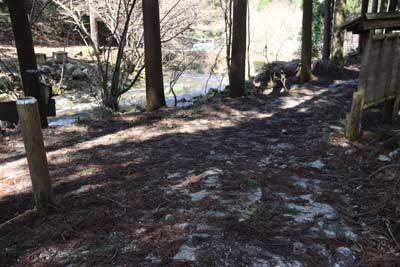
(255, 181)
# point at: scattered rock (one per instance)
(78, 75)
(318, 164)
(282, 147)
(394, 154)
(186, 254)
(69, 68)
(174, 176)
(153, 258)
(384, 158)
(199, 195)
(299, 248)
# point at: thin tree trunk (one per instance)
(393, 5)
(153, 61)
(326, 51)
(384, 6)
(375, 5)
(306, 48)
(338, 32)
(363, 36)
(237, 71)
(248, 43)
(94, 26)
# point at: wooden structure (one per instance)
(380, 70)
(372, 21)
(8, 110)
(379, 80)
(30, 122)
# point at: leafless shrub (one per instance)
(120, 67)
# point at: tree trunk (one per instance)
(153, 61)
(23, 38)
(94, 26)
(338, 32)
(34, 88)
(362, 42)
(237, 72)
(29, 120)
(326, 51)
(306, 47)
(384, 6)
(393, 5)
(375, 5)
(26, 53)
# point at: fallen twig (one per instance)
(383, 168)
(122, 205)
(391, 234)
(27, 214)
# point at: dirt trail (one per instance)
(257, 181)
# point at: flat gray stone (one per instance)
(186, 254)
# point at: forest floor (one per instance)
(255, 181)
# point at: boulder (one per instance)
(69, 68)
(78, 75)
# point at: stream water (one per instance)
(70, 107)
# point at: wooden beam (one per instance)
(8, 111)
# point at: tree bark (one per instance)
(338, 32)
(306, 47)
(34, 89)
(23, 38)
(326, 51)
(237, 72)
(29, 120)
(153, 58)
(94, 26)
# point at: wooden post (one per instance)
(237, 72)
(29, 120)
(60, 57)
(41, 58)
(353, 127)
(155, 97)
